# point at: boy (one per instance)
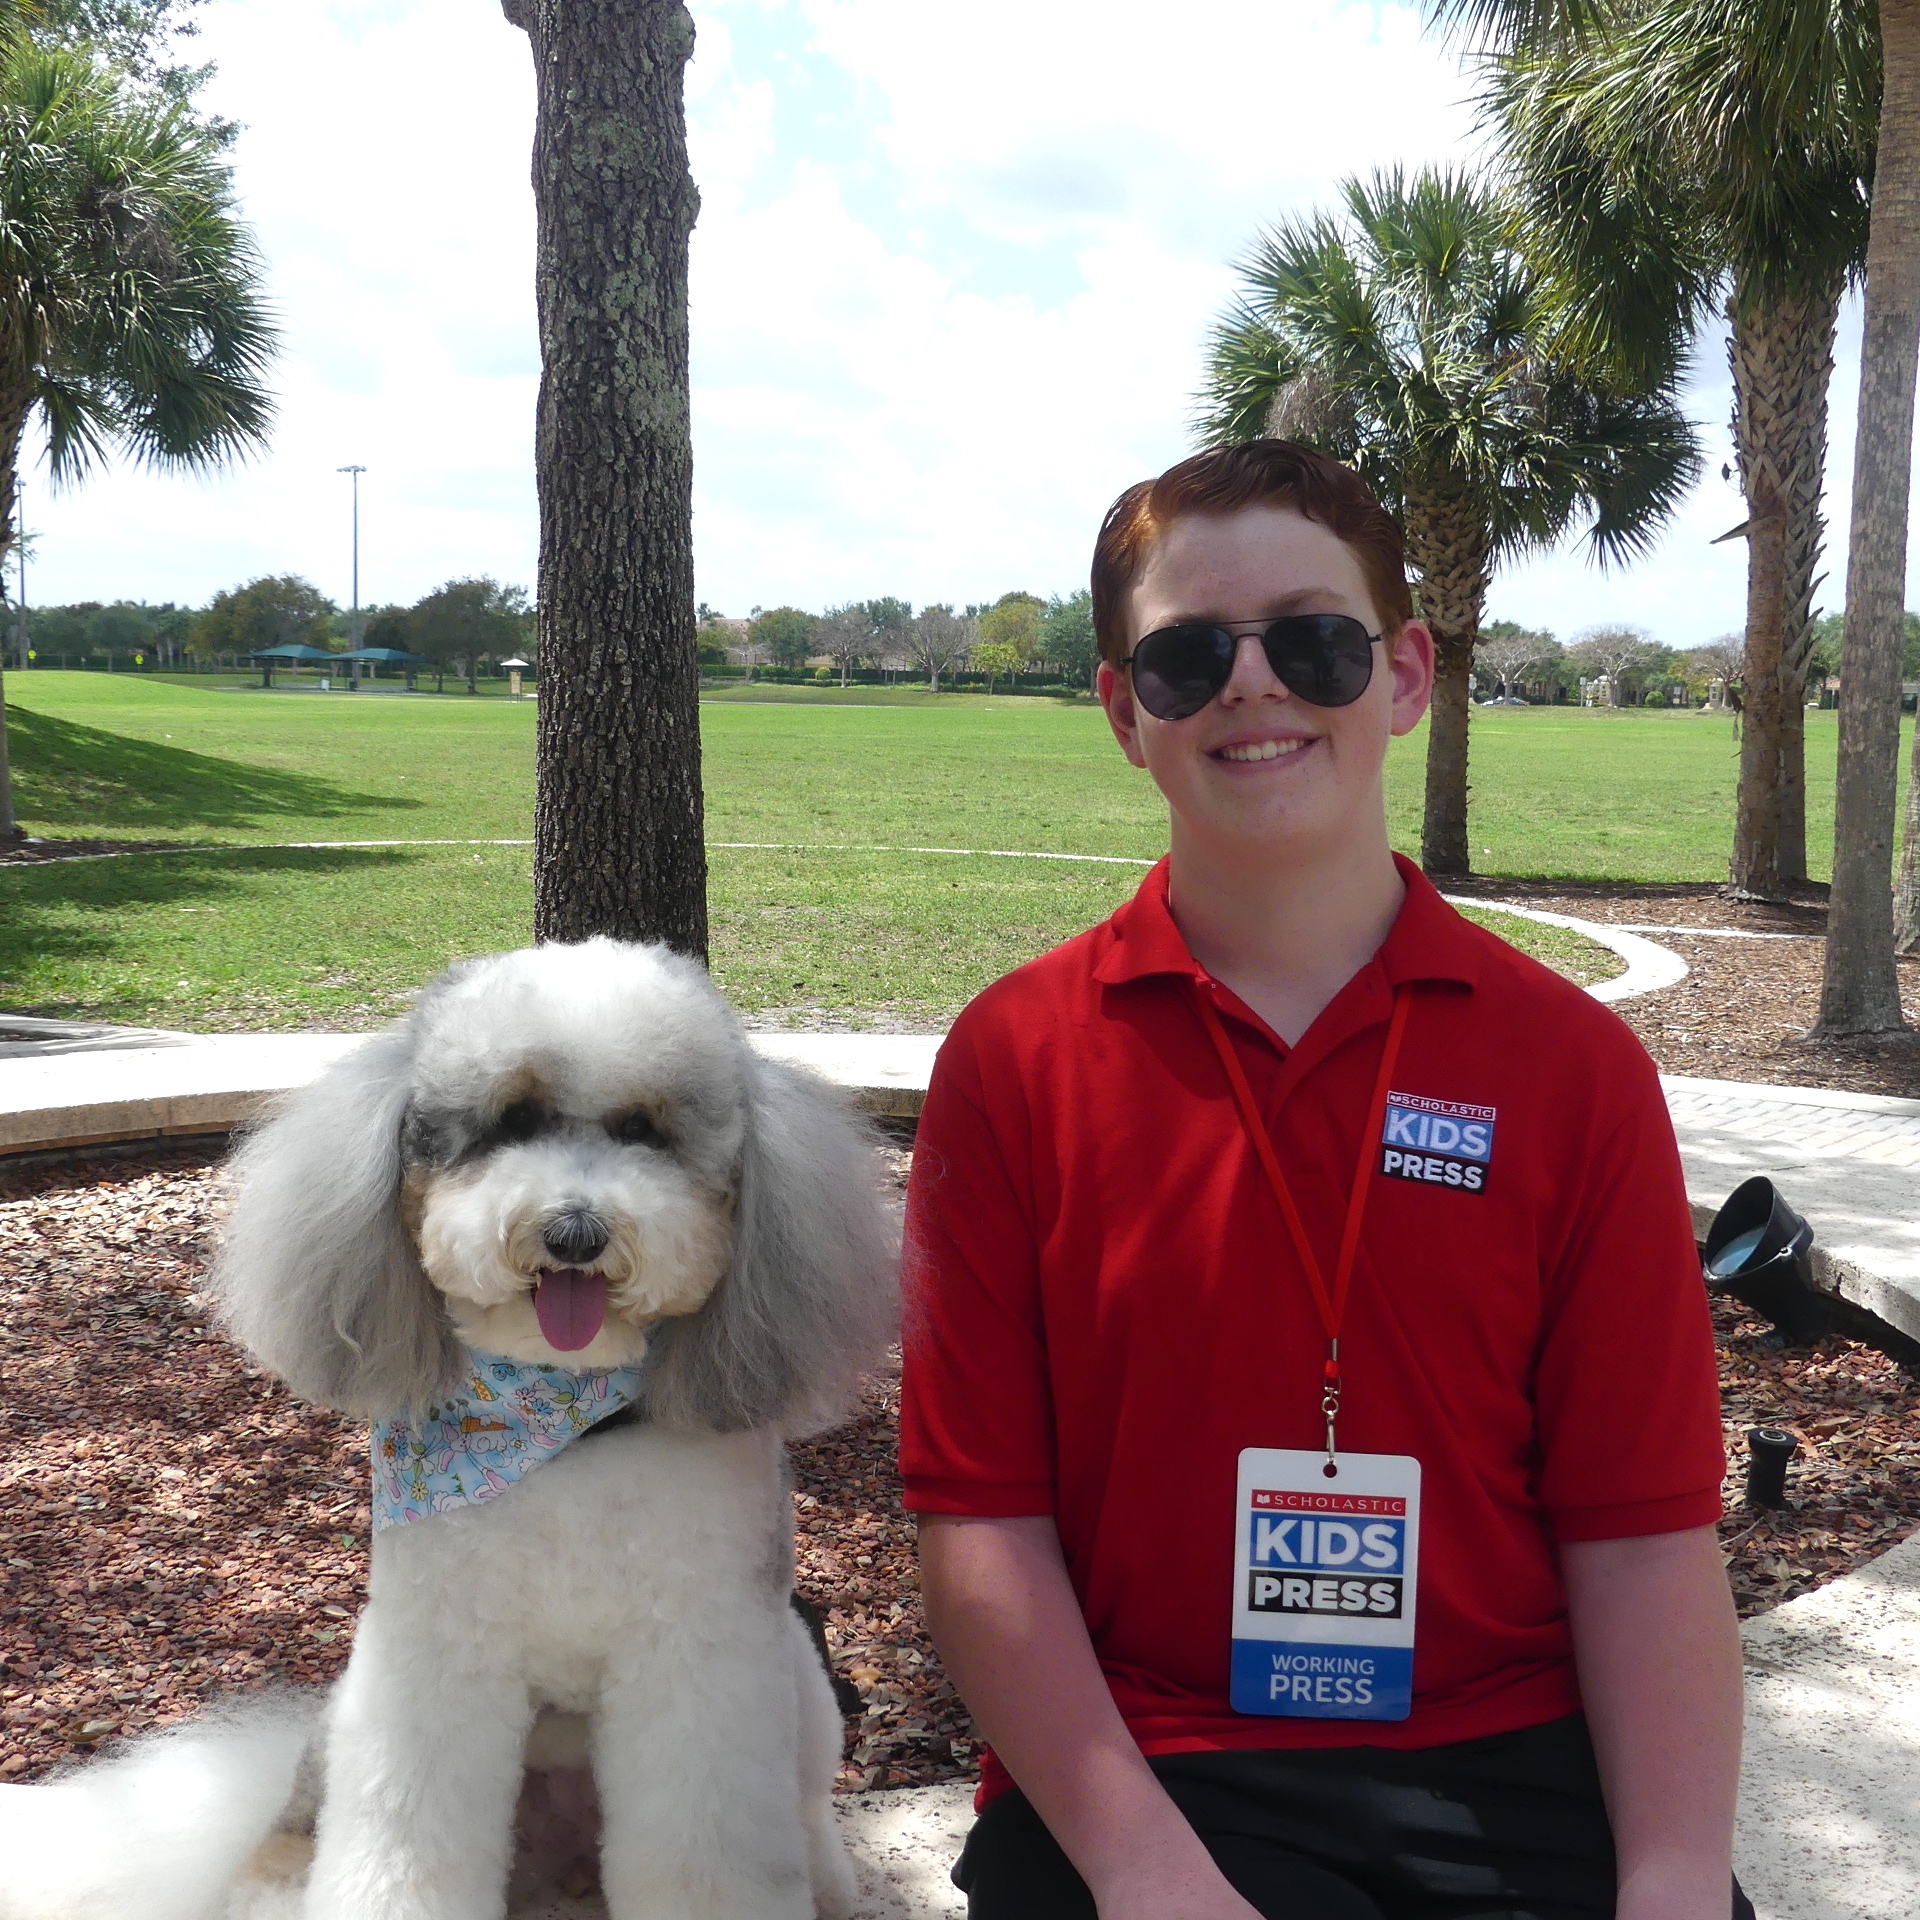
(1309, 1398)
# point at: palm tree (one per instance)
(1659, 178)
(1777, 60)
(1412, 340)
(130, 306)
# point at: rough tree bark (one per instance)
(618, 831)
(1806, 542)
(1447, 546)
(12, 424)
(1859, 989)
(1780, 352)
(1906, 892)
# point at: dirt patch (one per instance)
(1745, 1006)
(31, 853)
(175, 1527)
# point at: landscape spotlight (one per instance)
(1768, 1451)
(1761, 1251)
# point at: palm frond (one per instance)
(1416, 339)
(130, 292)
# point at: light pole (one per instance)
(356, 472)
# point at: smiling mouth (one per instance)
(1260, 750)
(571, 1304)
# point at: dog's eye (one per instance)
(522, 1120)
(637, 1129)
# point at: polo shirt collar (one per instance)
(1427, 941)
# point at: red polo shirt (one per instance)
(1104, 1306)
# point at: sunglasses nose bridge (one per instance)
(1251, 675)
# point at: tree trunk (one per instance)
(1859, 990)
(13, 420)
(1806, 541)
(618, 828)
(1447, 546)
(1780, 352)
(1906, 895)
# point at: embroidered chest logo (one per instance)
(1440, 1143)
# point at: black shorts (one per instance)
(1507, 1828)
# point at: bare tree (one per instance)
(937, 641)
(845, 635)
(618, 841)
(1613, 653)
(748, 653)
(1722, 661)
(1510, 653)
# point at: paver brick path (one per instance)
(1849, 1162)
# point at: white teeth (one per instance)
(1262, 750)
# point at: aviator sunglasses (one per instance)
(1325, 659)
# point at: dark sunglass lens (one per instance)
(1179, 669)
(1324, 658)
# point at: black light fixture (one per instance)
(1761, 1252)
(1768, 1452)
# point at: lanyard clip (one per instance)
(1330, 1401)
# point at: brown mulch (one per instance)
(1853, 1489)
(174, 1527)
(1745, 1005)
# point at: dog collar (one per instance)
(506, 1419)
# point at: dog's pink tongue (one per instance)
(570, 1303)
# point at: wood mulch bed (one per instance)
(1744, 1006)
(174, 1527)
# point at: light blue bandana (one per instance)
(509, 1418)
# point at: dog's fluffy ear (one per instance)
(811, 1299)
(318, 1278)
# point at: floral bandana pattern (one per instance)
(508, 1419)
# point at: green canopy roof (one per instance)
(384, 657)
(293, 651)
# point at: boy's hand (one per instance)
(1658, 1650)
(1013, 1641)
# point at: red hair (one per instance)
(1261, 473)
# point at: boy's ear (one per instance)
(1115, 689)
(1410, 661)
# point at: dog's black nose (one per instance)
(575, 1237)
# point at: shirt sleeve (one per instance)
(976, 1415)
(1627, 1389)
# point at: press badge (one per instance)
(1324, 1585)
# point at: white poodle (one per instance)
(583, 1260)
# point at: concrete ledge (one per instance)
(212, 1084)
(1829, 1816)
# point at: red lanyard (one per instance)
(1332, 1304)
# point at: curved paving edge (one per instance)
(1650, 966)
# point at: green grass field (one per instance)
(824, 910)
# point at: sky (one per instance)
(950, 290)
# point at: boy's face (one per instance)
(1258, 770)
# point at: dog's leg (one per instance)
(424, 1741)
(821, 1743)
(693, 1749)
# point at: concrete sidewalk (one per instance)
(1849, 1161)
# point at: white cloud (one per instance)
(951, 284)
